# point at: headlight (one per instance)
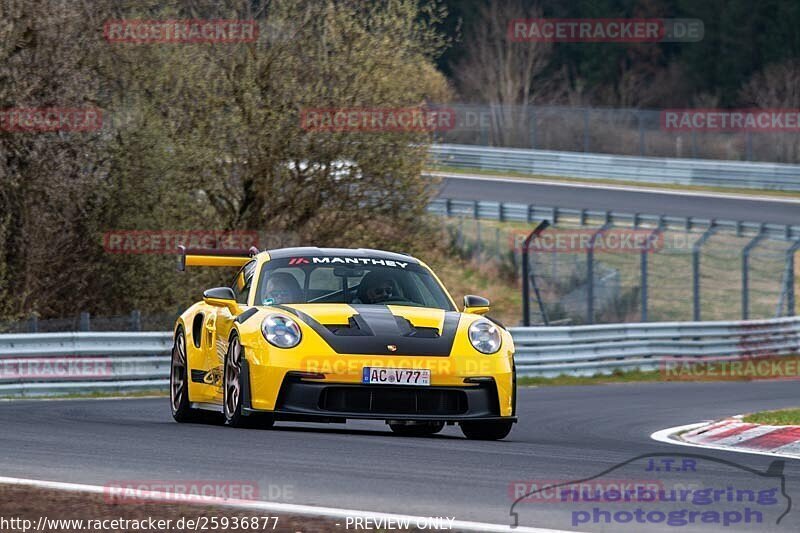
(484, 336)
(281, 331)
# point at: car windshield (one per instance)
(301, 280)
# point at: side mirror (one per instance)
(222, 297)
(476, 304)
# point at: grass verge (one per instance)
(781, 417)
(91, 395)
(633, 376)
(30, 505)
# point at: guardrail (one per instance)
(599, 349)
(658, 170)
(507, 211)
(80, 362)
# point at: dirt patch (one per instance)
(55, 509)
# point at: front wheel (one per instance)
(486, 430)
(232, 390)
(420, 429)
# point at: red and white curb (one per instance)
(734, 435)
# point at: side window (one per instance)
(243, 282)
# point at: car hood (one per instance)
(380, 329)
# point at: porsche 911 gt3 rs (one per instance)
(327, 335)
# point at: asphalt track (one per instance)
(615, 198)
(564, 433)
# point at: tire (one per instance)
(486, 430)
(182, 410)
(422, 429)
(232, 391)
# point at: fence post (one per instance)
(585, 129)
(136, 320)
(790, 295)
(83, 323)
(696, 269)
(746, 271)
(526, 290)
(641, 132)
(647, 247)
(33, 323)
(590, 273)
(748, 142)
(478, 241)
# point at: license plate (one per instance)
(395, 376)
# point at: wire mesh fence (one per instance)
(622, 131)
(84, 321)
(607, 273)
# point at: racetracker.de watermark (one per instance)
(599, 490)
(192, 491)
(731, 120)
(605, 30)
(732, 369)
(378, 119)
(50, 119)
(138, 31)
(71, 367)
(613, 240)
(167, 242)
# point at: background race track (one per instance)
(616, 198)
(564, 433)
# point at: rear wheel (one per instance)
(182, 410)
(232, 390)
(417, 429)
(486, 430)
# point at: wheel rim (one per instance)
(178, 375)
(232, 373)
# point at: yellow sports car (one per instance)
(326, 335)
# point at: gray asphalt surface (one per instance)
(530, 192)
(565, 433)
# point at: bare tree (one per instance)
(777, 87)
(502, 72)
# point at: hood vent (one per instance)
(357, 327)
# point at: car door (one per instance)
(219, 326)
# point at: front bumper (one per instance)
(314, 400)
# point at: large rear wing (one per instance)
(212, 257)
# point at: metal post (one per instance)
(33, 324)
(748, 141)
(746, 271)
(136, 320)
(585, 129)
(590, 273)
(790, 296)
(645, 250)
(526, 291)
(479, 243)
(83, 324)
(641, 132)
(696, 269)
